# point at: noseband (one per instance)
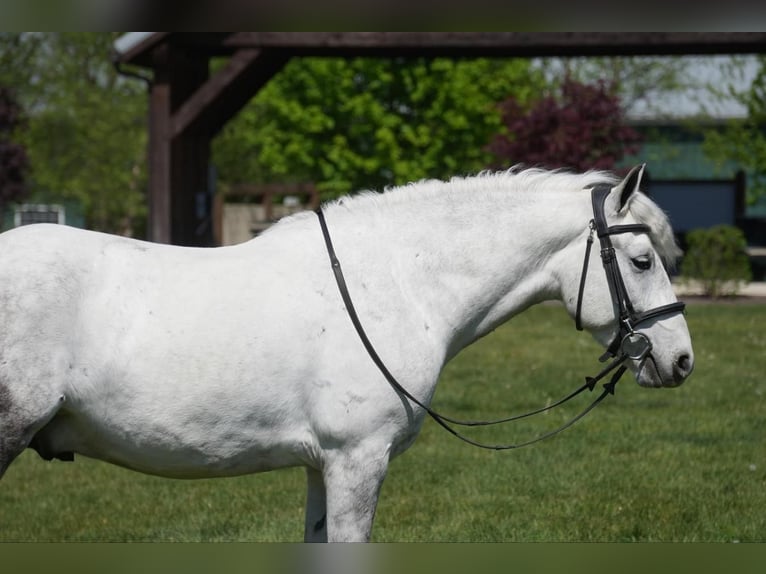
(628, 344)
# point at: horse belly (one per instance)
(198, 405)
(181, 416)
(197, 450)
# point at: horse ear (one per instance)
(624, 190)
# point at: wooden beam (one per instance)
(263, 189)
(223, 96)
(457, 44)
(266, 192)
(500, 44)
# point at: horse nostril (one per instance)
(683, 366)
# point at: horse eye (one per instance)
(642, 263)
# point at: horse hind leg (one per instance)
(11, 431)
(20, 422)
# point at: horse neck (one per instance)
(468, 264)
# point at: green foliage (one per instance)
(744, 141)
(667, 465)
(368, 123)
(86, 129)
(717, 259)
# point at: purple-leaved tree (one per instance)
(583, 127)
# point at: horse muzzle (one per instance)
(650, 374)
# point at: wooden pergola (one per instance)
(188, 106)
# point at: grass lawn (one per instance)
(685, 464)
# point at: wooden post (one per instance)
(159, 149)
(187, 109)
(180, 209)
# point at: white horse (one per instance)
(191, 362)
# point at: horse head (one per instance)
(627, 302)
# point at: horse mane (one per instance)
(518, 178)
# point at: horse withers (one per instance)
(193, 362)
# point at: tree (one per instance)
(368, 123)
(581, 128)
(643, 83)
(743, 141)
(86, 129)
(14, 163)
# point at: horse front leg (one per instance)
(352, 482)
(316, 507)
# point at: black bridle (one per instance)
(628, 344)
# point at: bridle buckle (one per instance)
(608, 254)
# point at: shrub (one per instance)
(717, 259)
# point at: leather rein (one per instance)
(628, 344)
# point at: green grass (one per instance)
(685, 464)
